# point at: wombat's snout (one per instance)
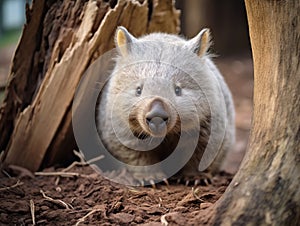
(157, 118)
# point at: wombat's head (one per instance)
(151, 89)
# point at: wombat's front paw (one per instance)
(151, 177)
(141, 177)
(203, 178)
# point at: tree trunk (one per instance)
(265, 191)
(59, 41)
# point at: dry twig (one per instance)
(196, 195)
(160, 202)
(85, 216)
(12, 186)
(61, 174)
(82, 161)
(163, 220)
(95, 209)
(32, 210)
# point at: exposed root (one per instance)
(57, 201)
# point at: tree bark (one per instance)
(265, 191)
(59, 42)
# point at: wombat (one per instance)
(162, 87)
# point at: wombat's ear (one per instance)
(200, 43)
(124, 40)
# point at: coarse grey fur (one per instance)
(157, 63)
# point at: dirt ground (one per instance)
(86, 198)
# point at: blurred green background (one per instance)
(12, 18)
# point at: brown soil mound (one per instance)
(86, 198)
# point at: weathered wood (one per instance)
(36, 122)
(265, 191)
(20, 91)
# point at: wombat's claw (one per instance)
(187, 182)
(152, 183)
(207, 181)
(166, 181)
(196, 182)
(150, 179)
(142, 183)
(203, 179)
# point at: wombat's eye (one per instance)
(178, 91)
(138, 91)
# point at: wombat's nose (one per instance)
(157, 118)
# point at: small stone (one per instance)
(205, 205)
(139, 220)
(90, 202)
(124, 218)
(44, 208)
(181, 209)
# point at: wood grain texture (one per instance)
(265, 191)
